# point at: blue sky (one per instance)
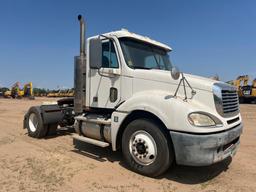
(38, 39)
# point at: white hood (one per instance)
(196, 82)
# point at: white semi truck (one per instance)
(130, 97)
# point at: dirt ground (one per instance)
(53, 164)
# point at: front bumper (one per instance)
(205, 149)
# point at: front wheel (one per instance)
(146, 148)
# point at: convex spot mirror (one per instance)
(175, 73)
(95, 53)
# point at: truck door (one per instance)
(105, 82)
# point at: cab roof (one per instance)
(126, 33)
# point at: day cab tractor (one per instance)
(129, 96)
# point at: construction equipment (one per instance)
(61, 93)
(70, 93)
(129, 96)
(3, 90)
(246, 91)
(28, 90)
(7, 94)
(241, 81)
(53, 93)
(18, 92)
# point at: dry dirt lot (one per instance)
(52, 164)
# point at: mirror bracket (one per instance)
(184, 81)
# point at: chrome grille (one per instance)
(230, 102)
(226, 99)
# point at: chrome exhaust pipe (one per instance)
(82, 35)
(80, 72)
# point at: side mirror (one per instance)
(175, 73)
(95, 53)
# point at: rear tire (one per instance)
(34, 123)
(146, 148)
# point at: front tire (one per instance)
(146, 148)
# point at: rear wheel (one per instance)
(34, 124)
(146, 148)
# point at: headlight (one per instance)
(203, 120)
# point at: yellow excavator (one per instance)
(17, 92)
(246, 92)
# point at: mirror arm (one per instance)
(102, 75)
(184, 81)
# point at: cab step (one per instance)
(91, 141)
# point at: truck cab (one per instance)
(129, 96)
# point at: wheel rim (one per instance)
(33, 122)
(143, 148)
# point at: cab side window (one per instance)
(109, 57)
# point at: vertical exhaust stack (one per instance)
(80, 71)
(82, 35)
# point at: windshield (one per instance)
(141, 55)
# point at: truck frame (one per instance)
(130, 97)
